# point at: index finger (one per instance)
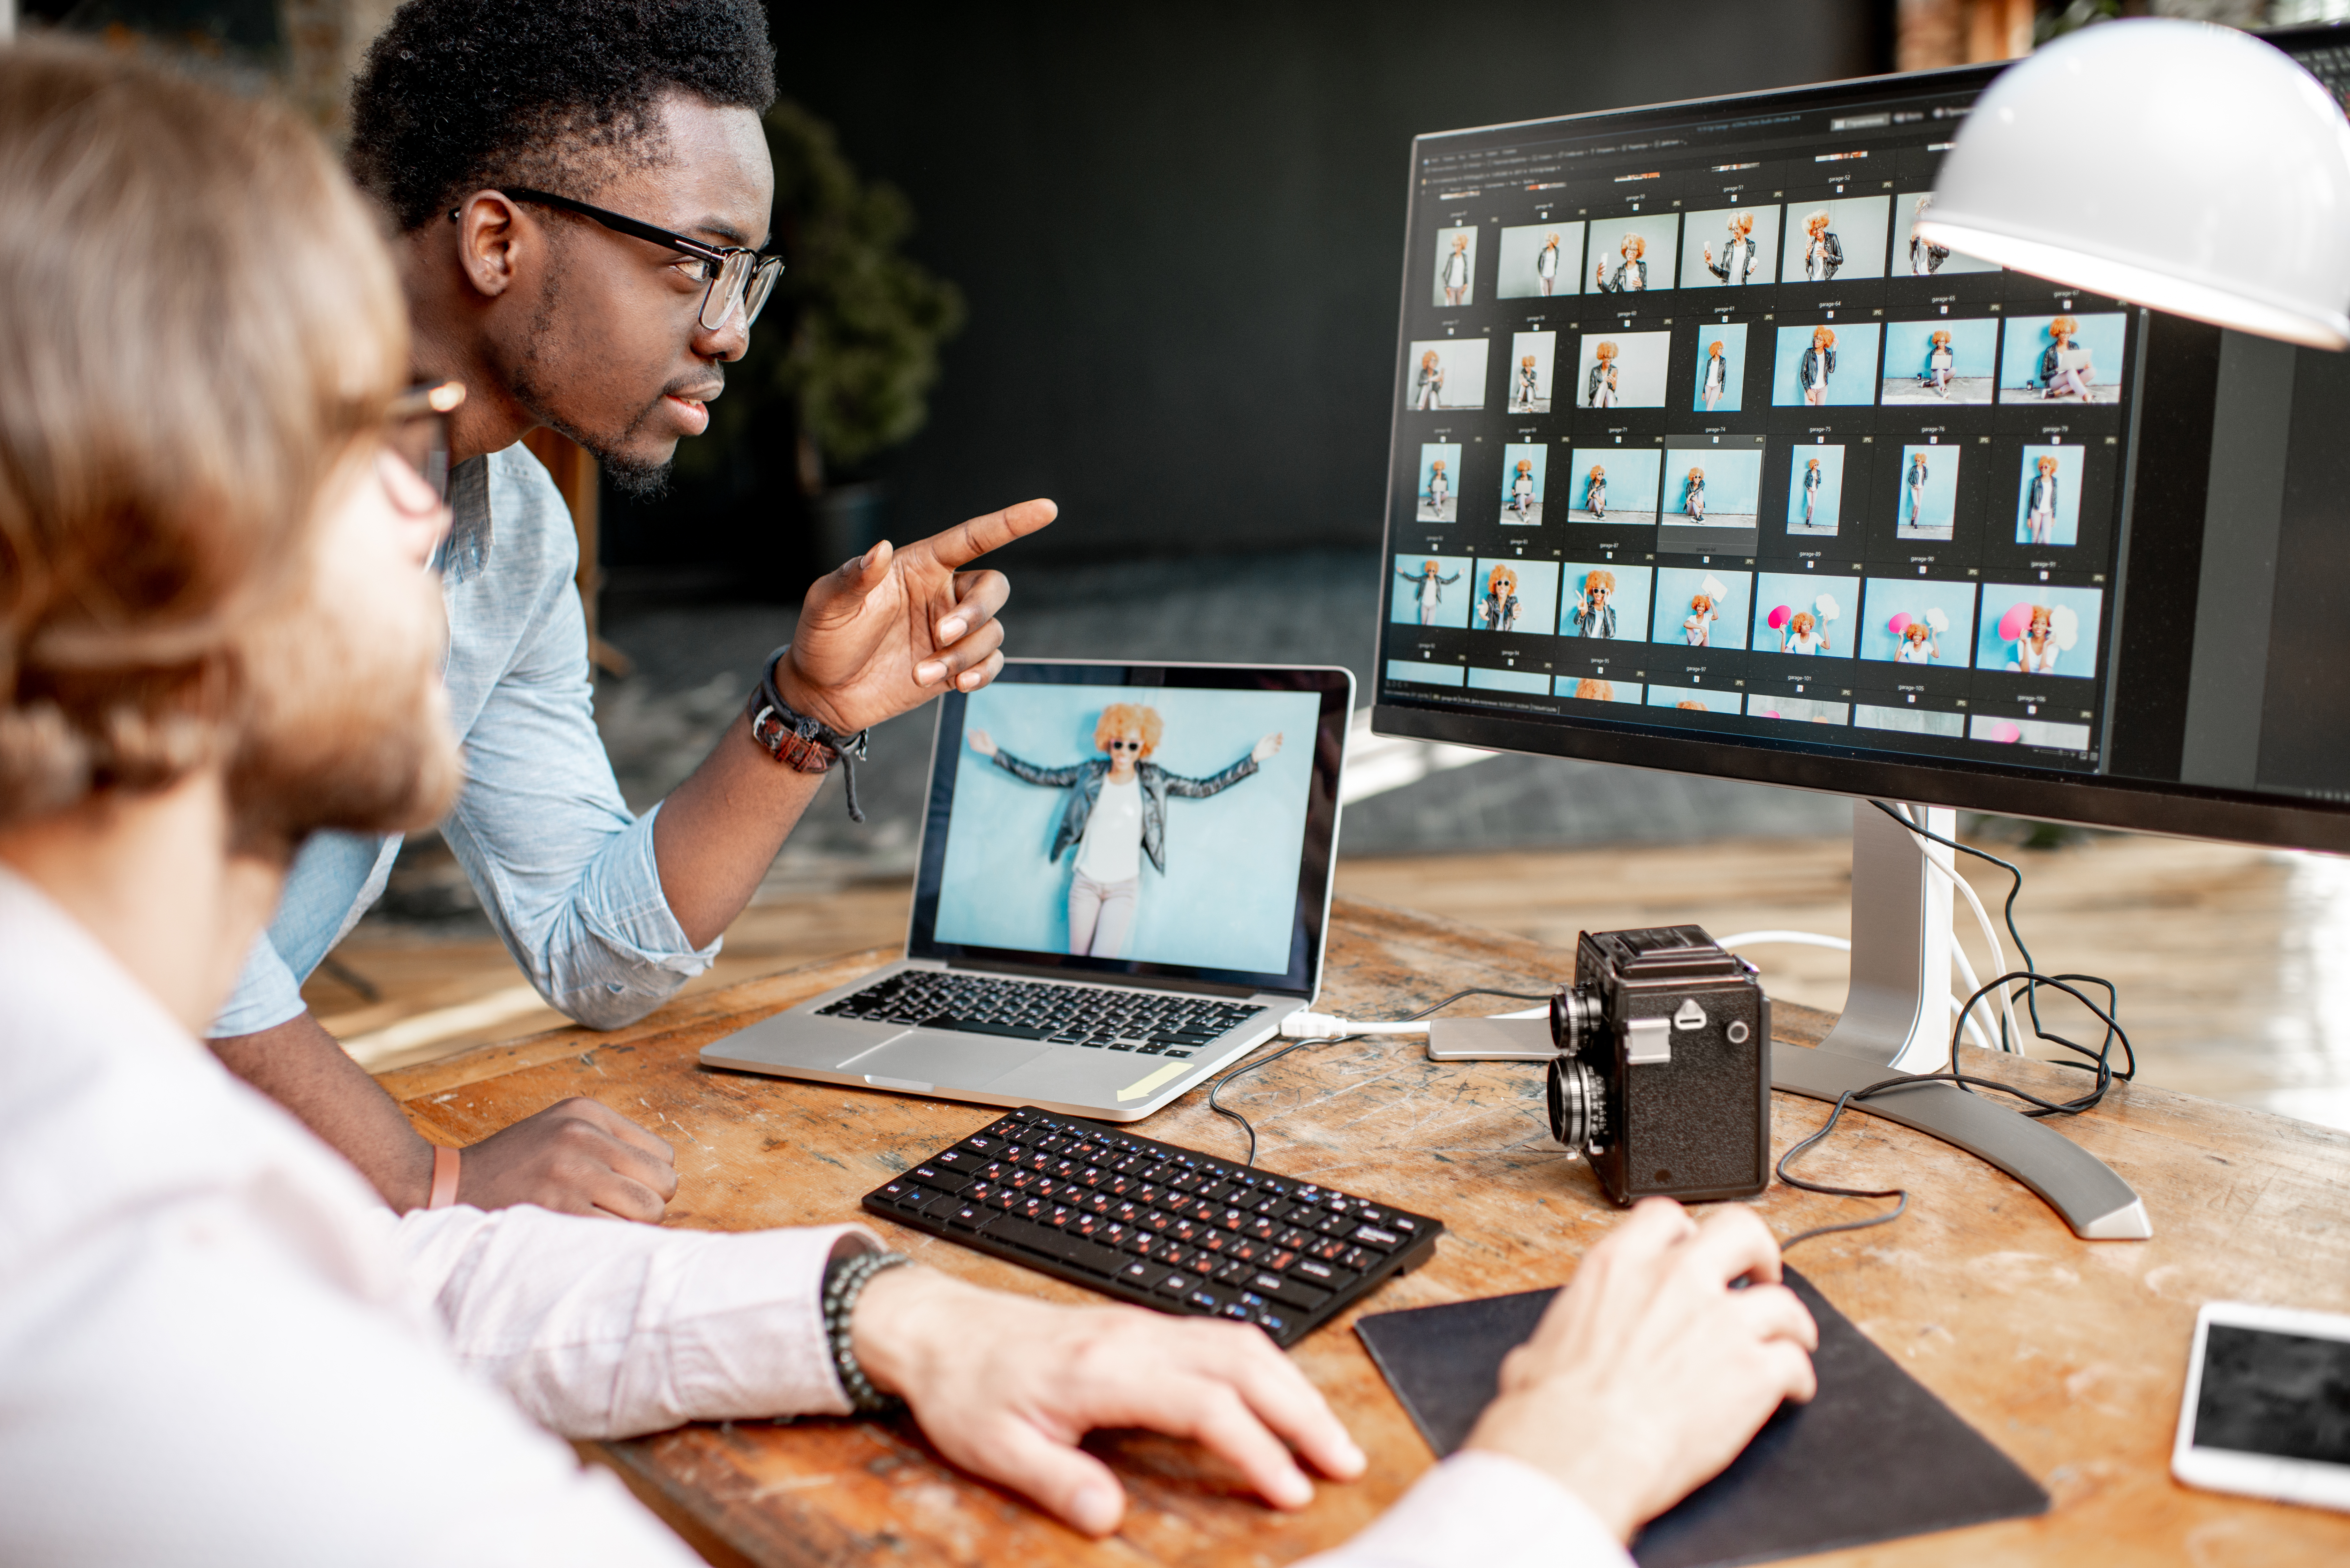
(1280, 1395)
(1735, 1244)
(969, 540)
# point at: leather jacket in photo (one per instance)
(1084, 782)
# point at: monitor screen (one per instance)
(1151, 819)
(1702, 459)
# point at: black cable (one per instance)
(1217, 1087)
(2030, 988)
(1827, 1127)
(2028, 979)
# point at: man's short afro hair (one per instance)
(460, 95)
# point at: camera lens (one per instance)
(1574, 1018)
(1578, 1109)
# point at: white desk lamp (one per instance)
(2173, 164)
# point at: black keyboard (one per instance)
(1165, 1227)
(1148, 1023)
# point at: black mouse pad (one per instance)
(1874, 1456)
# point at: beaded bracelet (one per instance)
(844, 1280)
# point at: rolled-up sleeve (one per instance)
(599, 1329)
(565, 874)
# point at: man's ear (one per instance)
(495, 242)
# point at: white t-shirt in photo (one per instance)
(1112, 848)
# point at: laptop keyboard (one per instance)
(1149, 1023)
(1158, 1224)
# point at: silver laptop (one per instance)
(1124, 887)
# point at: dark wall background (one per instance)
(1180, 229)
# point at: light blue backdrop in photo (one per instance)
(1452, 598)
(1534, 452)
(1855, 379)
(1230, 890)
(1733, 478)
(1828, 507)
(1993, 652)
(1630, 598)
(1677, 585)
(1618, 690)
(2101, 334)
(1885, 598)
(1451, 453)
(1732, 335)
(1711, 700)
(1537, 594)
(1801, 591)
(1632, 473)
(1533, 683)
(2070, 461)
(1974, 347)
(1937, 498)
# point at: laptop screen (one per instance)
(1144, 820)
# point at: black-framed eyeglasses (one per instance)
(1125, 745)
(736, 275)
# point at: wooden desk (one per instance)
(2068, 1355)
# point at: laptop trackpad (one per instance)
(935, 1056)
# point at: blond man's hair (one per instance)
(203, 323)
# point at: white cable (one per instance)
(1982, 920)
(1967, 974)
(1323, 1026)
(1791, 938)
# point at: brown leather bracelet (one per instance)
(444, 1178)
(798, 742)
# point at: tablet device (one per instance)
(2267, 1407)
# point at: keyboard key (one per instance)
(1094, 1205)
(1324, 1274)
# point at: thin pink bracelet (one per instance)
(444, 1178)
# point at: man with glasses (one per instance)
(581, 198)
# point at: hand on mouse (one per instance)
(1650, 1373)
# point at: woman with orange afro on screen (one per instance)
(1116, 815)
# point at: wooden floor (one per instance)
(2234, 963)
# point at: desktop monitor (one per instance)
(1741, 477)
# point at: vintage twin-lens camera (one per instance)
(1663, 1071)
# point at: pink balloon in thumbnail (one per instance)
(1780, 617)
(2005, 731)
(1899, 624)
(2014, 623)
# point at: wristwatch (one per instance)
(798, 742)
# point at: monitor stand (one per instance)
(1897, 1020)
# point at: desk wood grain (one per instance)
(2068, 1355)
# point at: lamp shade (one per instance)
(2176, 164)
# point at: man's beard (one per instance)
(633, 477)
(346, 728)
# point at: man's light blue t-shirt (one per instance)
(565, 874)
